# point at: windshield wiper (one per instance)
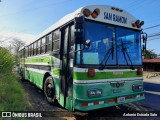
(124, 50)
(105, 59)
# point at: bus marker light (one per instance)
(86, 12)
(137, 22)
(138, 26)
(113, 8)
(91, 72)
(141, 23)
(95, 13)
(117, 9)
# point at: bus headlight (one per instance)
(137, 87)
(94, 92)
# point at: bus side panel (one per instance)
(69, 104)
(57, 87)
(35, 77)
(35, 71)
(55, 70)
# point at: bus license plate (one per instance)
(120, 99)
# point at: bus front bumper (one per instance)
(102, 102)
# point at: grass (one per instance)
(12, 95)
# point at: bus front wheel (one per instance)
(49, 89)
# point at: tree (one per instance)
(6, 61)
(16, 44)
(149, 54)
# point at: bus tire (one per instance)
(23, 79)
(49, 89)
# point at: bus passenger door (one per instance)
(66, 80)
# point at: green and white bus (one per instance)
(90, 59)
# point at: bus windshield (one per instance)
(111, 45)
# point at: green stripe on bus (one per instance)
(104, 75)
(56, 71)
(38, 59)
(52, 60)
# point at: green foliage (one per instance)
(12, 95)
(149, 54)
(6, 61)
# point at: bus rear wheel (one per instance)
(49, 89)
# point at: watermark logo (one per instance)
(6, 114)
(21, 114)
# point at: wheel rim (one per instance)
(49, 90)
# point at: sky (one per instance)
(25, 19)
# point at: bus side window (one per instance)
(35, 48)
(49, 42)
(23, 53)
(20, 54)
(26, 53)
(56, 40)
(29, 50)
(72, 37)
(43, 45)
(32, 49)
(38, 46)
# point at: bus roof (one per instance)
(108, 14)
(21, 48)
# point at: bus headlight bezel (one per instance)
(136, 87)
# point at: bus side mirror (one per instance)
(55, 53)
(144, 39)
(78, 22)
(71, 55)
(79, 29)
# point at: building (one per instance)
(151, 65)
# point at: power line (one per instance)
(153, 39)
(133, 4)
(155, 35)
(152, 27)
(138, 4)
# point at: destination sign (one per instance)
(115, 18)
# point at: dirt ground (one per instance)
(147, 74)
(37, 102)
